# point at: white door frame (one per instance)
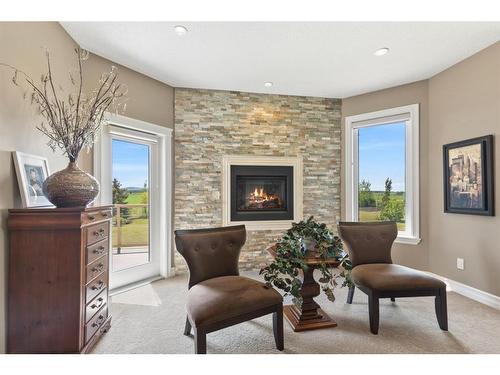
(103, 152)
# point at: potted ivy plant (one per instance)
(303, 240)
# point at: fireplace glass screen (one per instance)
(261, 193)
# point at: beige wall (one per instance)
(20, 45)
(464, 103)
(459, 103)
(147, 99)
(416, 256)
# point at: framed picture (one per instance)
(31, 172)
(468, 176)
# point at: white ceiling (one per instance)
(314, 59)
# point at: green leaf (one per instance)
(283, 272)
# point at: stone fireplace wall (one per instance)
(210, 124)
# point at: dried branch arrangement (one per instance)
(72, 121)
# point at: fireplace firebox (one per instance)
(261, 193)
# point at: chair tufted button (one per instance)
(213, 246)
(230, 243)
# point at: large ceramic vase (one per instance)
(71, 187)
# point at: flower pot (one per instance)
(71, 187)
(309, 248)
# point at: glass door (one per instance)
(134, 189)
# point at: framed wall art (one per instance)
(468, 176)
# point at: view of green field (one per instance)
(372, 213)
(137, 197)
(134, 229)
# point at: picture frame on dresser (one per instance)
(31, 171)
(468, 176)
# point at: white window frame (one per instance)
(164, 200)
(409, 114)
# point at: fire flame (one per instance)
(259, 198)
(259, 193)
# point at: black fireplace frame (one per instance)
(262, 171)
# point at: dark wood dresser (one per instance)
(58, 279)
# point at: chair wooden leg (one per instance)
(442, 309)
(187, 328)
(350, 294)
(393, 299)
(373, 307)
(278, 328)
(200, 342)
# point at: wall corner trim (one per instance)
(470, 292)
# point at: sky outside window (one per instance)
(382, 155)
(130, 163)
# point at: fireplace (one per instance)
(261, 193)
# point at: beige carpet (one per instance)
(151, 320)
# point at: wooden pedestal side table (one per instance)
(310, 315)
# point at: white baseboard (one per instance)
(470, 292)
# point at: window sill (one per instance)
(408, 240)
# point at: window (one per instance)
(382, 169)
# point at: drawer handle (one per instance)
(99, 268)
(105, 213)
(91, 217)
(96, 306)
(99, 250)
(99, 233)
(98, 286)
(98, 322)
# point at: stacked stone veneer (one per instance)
(210, 124)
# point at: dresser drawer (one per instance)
(96, 304)
(96, 286)
(97, 267)
(95, 323)
(96, 216)
(97, 232)
(97, 250)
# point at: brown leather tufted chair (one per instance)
(369, 246)
(218, 297)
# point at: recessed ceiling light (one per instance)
(381, 51)
(180, 30)
(268, 84)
